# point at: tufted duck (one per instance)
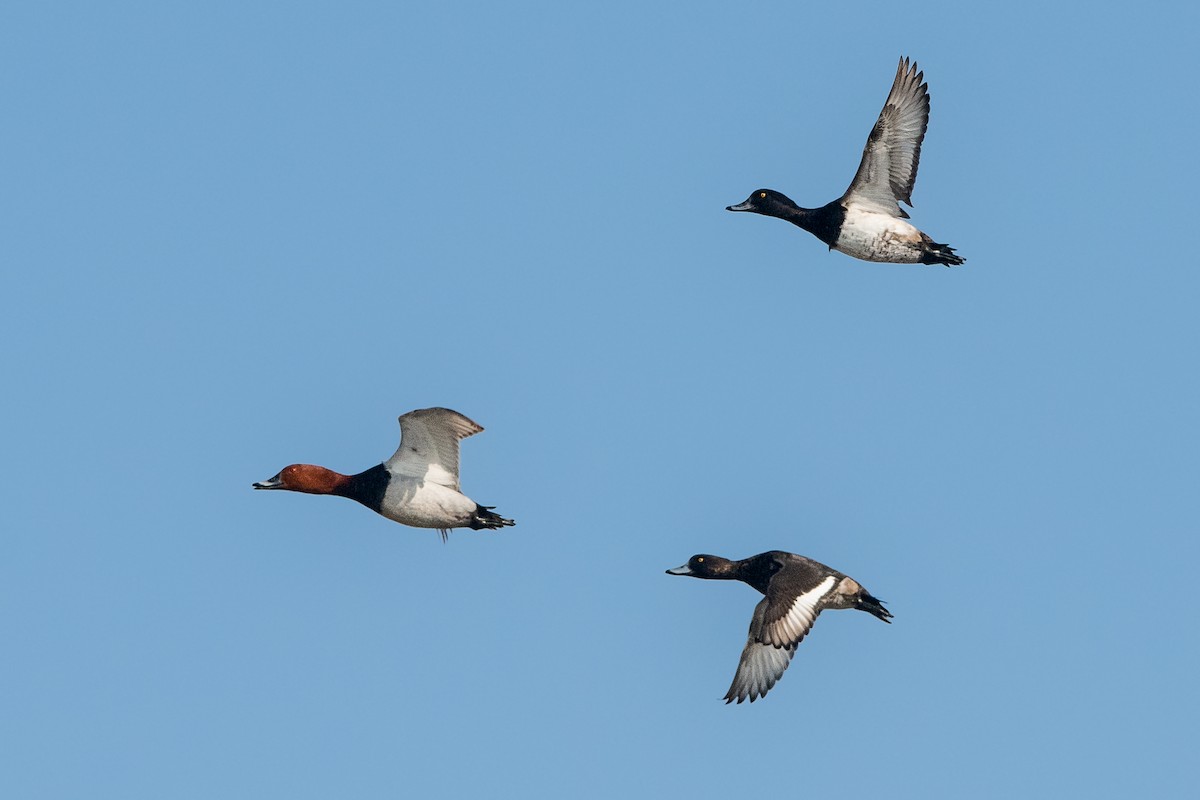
(797, 589)
(867, 222)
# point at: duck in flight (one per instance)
(417, 486)
(867, 222)
(797, 589)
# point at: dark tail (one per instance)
(873, 605)
(940, 254)
(484, 519)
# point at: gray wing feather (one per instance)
(428, 449)
(775, 632)
(888, 169)
(761, 665)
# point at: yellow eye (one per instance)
(699, 560)
(762, 195)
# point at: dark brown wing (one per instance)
(778, 626)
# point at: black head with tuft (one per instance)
(766, 201)
(705, 566)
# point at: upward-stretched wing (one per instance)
(778, 626)
(429, 445)
(889, 161)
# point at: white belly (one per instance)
(422, 504)
(872, 236)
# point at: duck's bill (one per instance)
(740, 207)
(684, 570)
(269, 483)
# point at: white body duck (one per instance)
(417, 486)
(867, 221)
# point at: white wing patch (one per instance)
(429, 445)
(770, 647)
(792, 627)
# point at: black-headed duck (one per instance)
(797, 589)
(867, 222)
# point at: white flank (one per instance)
(872, 236)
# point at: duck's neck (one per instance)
(757, 571)
(367, 487)
(825, 222)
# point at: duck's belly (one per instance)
(878, 237)
(426, 505)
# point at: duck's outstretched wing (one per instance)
(779, 624)
(888, 169)
(761, 667)
(428, 449)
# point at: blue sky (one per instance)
(238, 235)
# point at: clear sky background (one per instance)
(239, 235)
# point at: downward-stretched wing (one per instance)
(777, 627)
(429, 445)
(889, 162)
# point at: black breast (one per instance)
(825, 222)
(758, 570)
(368, 487)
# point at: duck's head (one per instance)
(308, 478)
(765, 201)
(705, 566)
